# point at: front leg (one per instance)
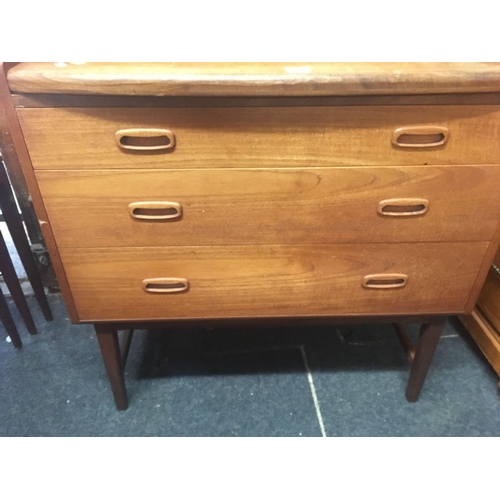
(424, 352)
(107, 337)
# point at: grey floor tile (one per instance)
(360, 384)
(180, 383)
(242, 382)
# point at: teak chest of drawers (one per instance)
(259, 192)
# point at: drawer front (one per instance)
(86, 138)
(271, 280)
(288, 206)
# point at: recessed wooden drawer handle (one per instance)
(145, 139)
(403, 207)
(165, 285)
(155, 210)
(385, 280)
(420, 137)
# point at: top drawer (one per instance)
(254, 137)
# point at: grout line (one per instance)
(313, 391)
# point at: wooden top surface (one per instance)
(254, 79)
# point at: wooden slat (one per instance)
(288, 206)
(246, 79)
(485, 335)
(270, 281)
(81, 138)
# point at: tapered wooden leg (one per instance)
(12, 281)
(8, 322)
(424, 352)
(110, 350)
(16, 229)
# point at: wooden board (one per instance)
(288, 206)
(80, 138)
(247, 79)
(271, 280)
(485, 335)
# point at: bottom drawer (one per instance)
(273, 280)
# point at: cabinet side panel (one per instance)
(15, 135)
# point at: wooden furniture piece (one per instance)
(11, 280)
(484, 321)
(10, 277)
(325, 192)
(14, 223)
(16, 177)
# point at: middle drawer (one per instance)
(286, 206)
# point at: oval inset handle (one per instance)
(165, 285)
(426, 136)
(145, 139)
(385, 280)
(155, 210)
(403, 207)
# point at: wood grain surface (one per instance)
(80, 138)
(486, 336)
(91, 208)
(248, 79)
(271, 280)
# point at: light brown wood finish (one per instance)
(155, 210)
(426, 136)
(483, 271)
(84, 138)
(145, 139)
(403, 207)
(486, 336)
(232, 206)
(247, 79)
(165, 285)
(484, 321)
(383, 281)
(254, 281)
(267, 189)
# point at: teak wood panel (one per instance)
(268, 280)
(292, 78)
(322, 205)
(486, 336)
(84, 138)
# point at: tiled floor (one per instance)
(247, 382)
